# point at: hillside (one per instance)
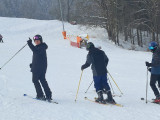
(64, 63)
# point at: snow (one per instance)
(64, 63)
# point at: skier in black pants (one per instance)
(1, 38)
(154, 68)
(39, 67)
(99, 62)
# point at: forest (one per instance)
(133, 21)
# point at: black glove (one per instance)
(30, 65)
(83, 67)
(29, 41)
(149, 69)
(148, 64)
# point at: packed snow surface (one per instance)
(64, 63)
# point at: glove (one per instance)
(29, 41)
(30, 65)
(83, 67)
(149, 69)
(148, 64)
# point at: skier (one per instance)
(39, 67)
(154, 68)
(1, 38)
(83, 42)
(99, 62)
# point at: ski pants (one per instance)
(154, 80)
(40, 78)
(1, 40)
(101, 83)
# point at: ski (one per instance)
(25, 95)
(119, 105)
(150, 101)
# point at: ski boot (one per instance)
(41, 98)
(110, 99)
(49, 98)
(157, 100)
(100, 97)
(104, 91)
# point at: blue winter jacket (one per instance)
(156, 62)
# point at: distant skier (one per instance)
(1, 38)
(39, 67)
(99, 62)
(154, 68)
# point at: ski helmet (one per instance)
(38, 37)
(89, 46)
(153, 45)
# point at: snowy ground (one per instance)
(64, 62)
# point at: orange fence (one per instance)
(74, 40)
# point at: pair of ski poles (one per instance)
(13, 56)
(92, 83)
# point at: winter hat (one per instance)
(38, 37)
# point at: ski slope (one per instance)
(64, 63)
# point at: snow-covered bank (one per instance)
(64, 62)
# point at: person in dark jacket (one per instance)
(154, 68)
(1, 38)
(99, 61)
(39, 67)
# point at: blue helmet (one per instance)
(153, 45)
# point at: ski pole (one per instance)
(147, 87)
(79, 86)
(13, 56)
(111, 86)
(115, 82)
(89, 87)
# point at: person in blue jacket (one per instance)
(154, 68)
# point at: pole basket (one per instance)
(64, 34)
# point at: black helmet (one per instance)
(89, 46)
(38, 37)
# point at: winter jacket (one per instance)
(39, 61)
(156, 62)
(99, 62)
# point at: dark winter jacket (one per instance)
(156, 62)
(39, 61)
(99, 62)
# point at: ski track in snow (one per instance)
(64, 63)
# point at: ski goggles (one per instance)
(36, 38)
(151, 48)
